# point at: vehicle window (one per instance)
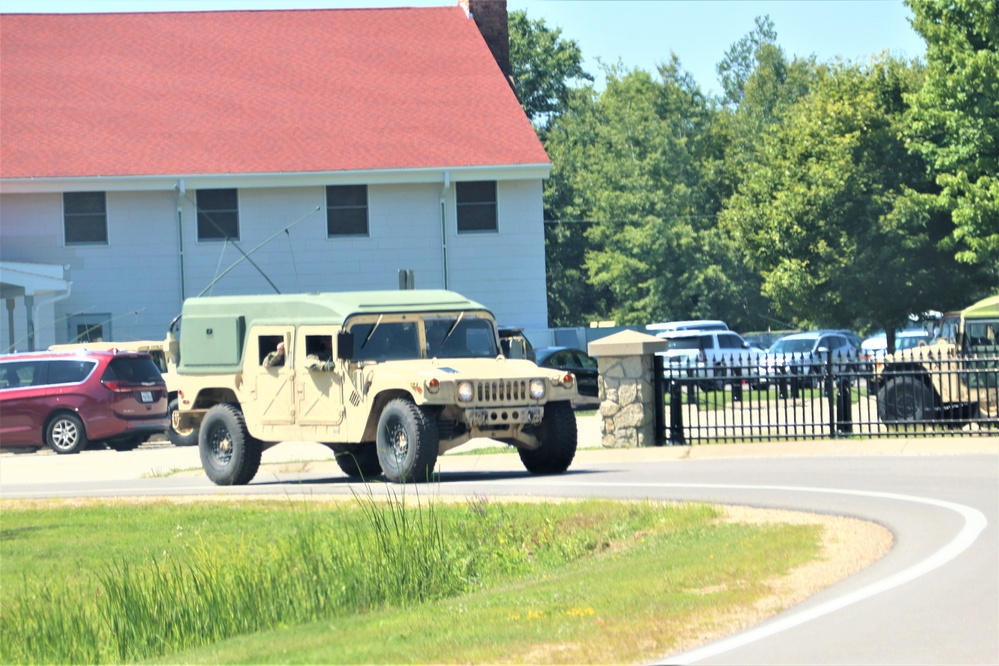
(391, 341)
(320, 346)
(729, 341)
(948, 329)
(799, 346)
(684, 343)
(706, 342)
(159, 358)
(981, 333)
(267, 349)
(18, 374)
(910, 341)
(131, 370)
(69, 371)
(451, 337)
(587, 362)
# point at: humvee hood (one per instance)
(479, 368)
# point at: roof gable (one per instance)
(249, 92)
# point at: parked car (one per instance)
(800, 357)
(876, 346)
(687, 325)
(575, 361)
(66, 399)
(709, 356)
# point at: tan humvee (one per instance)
(387, 379)
(955, 376)
(165, 360)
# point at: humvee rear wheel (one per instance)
(558, 441)
(903, 400)
(177, 437)
(229, 455)
(407, 442)
(358, 461)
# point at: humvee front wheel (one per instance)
(905, 400)
(358, 461)
(407, 442)
(558, 441)
(229, 455)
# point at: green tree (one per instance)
(545, 68)
(824, 216)
(953, 122)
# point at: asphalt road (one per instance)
(933, 599)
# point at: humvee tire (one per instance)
(558, 441)
(358, 461)
(905, 400)
(230, 456)
(407, 442)
(187, 437)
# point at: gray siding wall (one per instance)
(135, 278)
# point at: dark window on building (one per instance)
(477, 206)
(218, 214)
(85, 218)
(346, 210)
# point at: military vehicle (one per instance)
(165, 360)
(954, 377)
(389, 380)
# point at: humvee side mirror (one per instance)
(345, 345)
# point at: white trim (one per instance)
(259, 180)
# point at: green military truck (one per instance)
(954, 377)
(389, 380)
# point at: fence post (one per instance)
(659, 390)
(830, 389)
(676, 437)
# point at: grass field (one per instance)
(410, 580)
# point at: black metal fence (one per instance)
(828, 395)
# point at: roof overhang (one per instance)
(19, 279)
(265, 180)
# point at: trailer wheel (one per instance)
(358, 461)
(905, 400)
(229, 455)
(185, 437)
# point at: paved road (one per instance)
(934, 599)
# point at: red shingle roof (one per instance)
(253, 92)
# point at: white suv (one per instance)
(711, 356)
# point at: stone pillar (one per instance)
(627, 392)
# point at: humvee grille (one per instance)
(499, 391)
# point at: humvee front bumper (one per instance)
(485, 417)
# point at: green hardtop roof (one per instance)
(987, 308)
(328, 307)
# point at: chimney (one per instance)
(491, 19)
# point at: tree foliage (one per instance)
(953, 121)
(544, 67)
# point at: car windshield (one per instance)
(909, 341)
(793, 346)
(461, 336)
(685, 343)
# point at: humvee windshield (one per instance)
(454, 335)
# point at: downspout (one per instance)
(447, 186)
(33, 312)
(180, 234)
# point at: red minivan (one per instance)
(67, 399)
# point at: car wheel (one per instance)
(905, 400)
(185, 437)
(558, 441)
(229, 455)
(65, 433)
(407, 442)
(358, 461)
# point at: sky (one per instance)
(638, 34)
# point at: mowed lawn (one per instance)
(363, 580)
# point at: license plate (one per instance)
(146, 396)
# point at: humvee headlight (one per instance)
(537, 388)
(465, 391)
(434, 385)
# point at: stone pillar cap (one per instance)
(627, 343)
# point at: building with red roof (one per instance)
(158, 156)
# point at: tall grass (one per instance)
(396, 554)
